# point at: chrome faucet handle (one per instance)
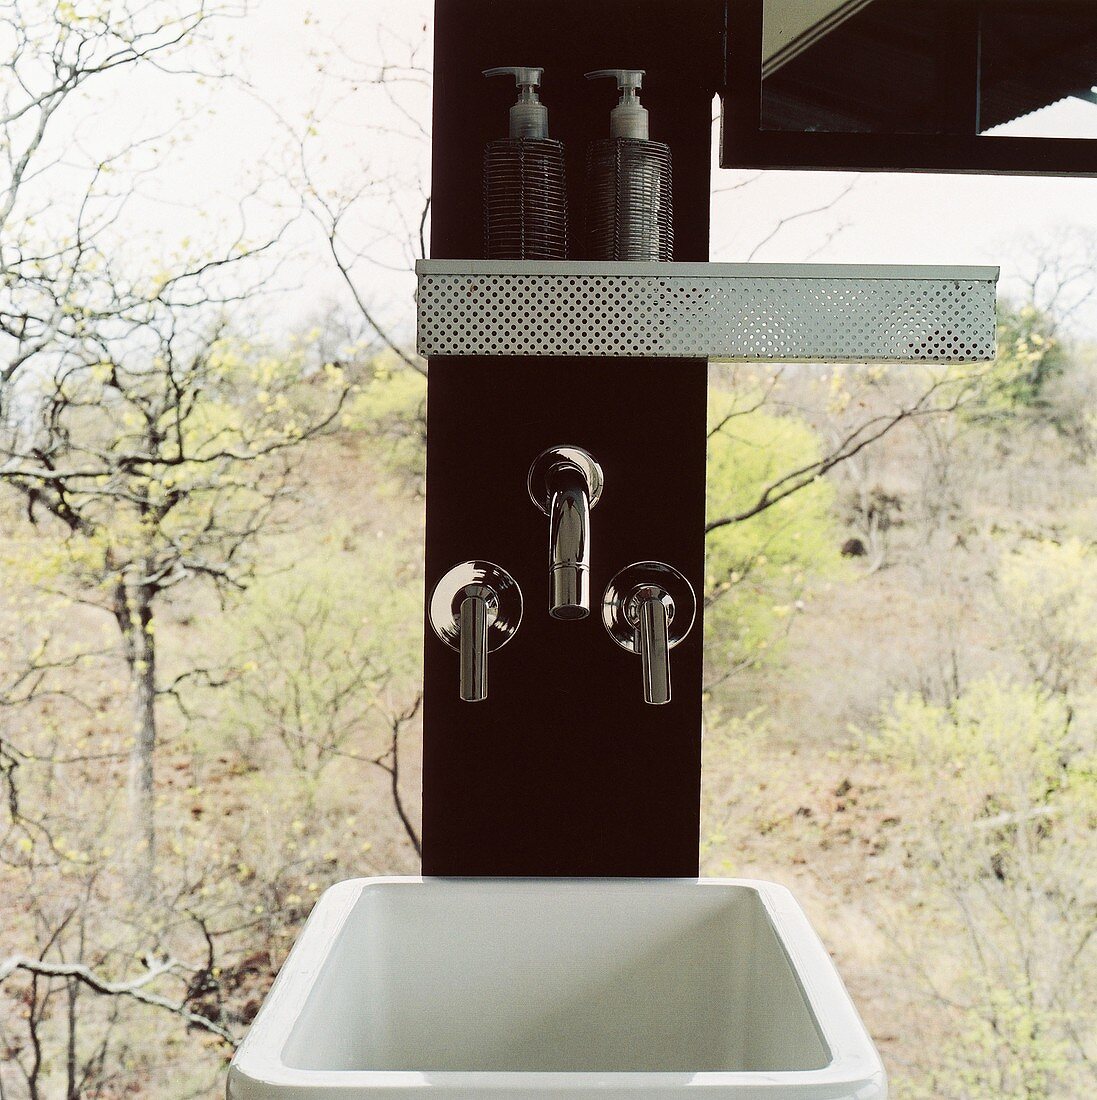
(652, 609)
(476, 608)
(565, 482)
(472, 638)
(648, 608)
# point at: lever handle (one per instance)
(653, 638)
(473, 628)
(475, 609)
(648, 608)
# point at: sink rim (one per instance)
(259, 1058)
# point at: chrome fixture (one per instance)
(566, 483)
(476, 608)
(648, 608)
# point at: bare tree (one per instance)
(151, 461)
(1058, 275)
(149, 445)
(56, 208)
(388, 760)
(374, 223)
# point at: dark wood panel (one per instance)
(564, 770)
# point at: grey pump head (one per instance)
(529, 116)
(628, 119)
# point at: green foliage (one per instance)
(1049, 592)
(1029, 358)
(391, 409)
(734, 748)
(759, 570)
(1002, 845)
(1016, 1052)
(322, 649)
(1000, 747)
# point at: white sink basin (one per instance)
(708, 988)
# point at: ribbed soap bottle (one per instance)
(525, 187)
(628, 194)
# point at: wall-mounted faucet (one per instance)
(565, 482)
(648, 608)
(476, 608)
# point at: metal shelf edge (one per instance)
(589, 268)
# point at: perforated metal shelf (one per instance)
(742, 312)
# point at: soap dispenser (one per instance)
(628, 194)
(525, 187)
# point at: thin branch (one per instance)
(390, 762)
(855, 442)
(788, 219)
(134, 989)
(737, 186)
(747, 410)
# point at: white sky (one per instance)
(303, 56)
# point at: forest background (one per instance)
(212, 430)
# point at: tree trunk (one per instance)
(72, 994)
(133, 609)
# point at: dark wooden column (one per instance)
(564, 770)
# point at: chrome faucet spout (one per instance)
(569, 542)
(566, 483)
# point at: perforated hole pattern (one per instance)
(759, 318)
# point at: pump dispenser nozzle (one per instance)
(628, 119)
(529, 116)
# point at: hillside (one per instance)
(899, 727)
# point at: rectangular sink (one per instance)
(399, 987)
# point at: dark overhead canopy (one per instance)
(892, 65)
(843, 82)
(1034, 57)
